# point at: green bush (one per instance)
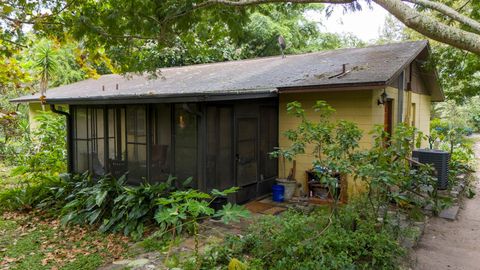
(38, 153)
(111, 204)
(309, 241)
(28, 195)
(114, 206)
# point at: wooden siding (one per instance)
(354, 106)
(359, 106)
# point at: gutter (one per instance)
(68, 118)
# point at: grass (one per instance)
(31, 241)
(36, 240)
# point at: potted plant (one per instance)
(286, 180)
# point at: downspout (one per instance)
(401, 91)
(68, 117)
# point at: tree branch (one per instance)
(448, 11)
(257, 2)
(412, 18)
(430, 27)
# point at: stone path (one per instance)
(453, 245)
(211, 232)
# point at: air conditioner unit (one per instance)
(438, 159)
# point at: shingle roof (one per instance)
(369, 65)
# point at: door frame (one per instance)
(388, 116)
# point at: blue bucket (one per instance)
(278, 193)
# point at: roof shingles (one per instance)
(375, 64)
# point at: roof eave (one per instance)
(167, 98)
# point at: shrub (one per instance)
(39, 152)
(114, 206)
(299, 241)
(111, 204)
(28, 195)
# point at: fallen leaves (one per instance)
(58, 245)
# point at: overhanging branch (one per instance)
(430, 27)
(448, 11)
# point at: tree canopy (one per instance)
(144, 35)
(111, 23)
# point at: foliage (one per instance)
(448, 136)
(185, 209)
(115, 206)
(333, 144)
(458, 70)
(391, 175)
(27, 195)
(301, 241)
(131, 25)
(147, 39)
(42, 151)
(110, 204)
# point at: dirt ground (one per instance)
(453, 244)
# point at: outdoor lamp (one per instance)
(383, 98)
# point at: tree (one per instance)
(458, 70)
(116, 22)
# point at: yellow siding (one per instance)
(359, 106)
(34, 108)
(354, 106)
(422, 119)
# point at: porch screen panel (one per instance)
(136, 143)
(185, 141)
(89, 140)
(219, 171)
(97, 141)
(161, 142)
(117, 164)
(268, 141)
(80, 140)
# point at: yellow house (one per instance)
(218, 122)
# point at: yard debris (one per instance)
(58, 245)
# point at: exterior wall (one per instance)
(422, 109)
(422, 113)
(34, 108)
(357, 106)
(378, 111)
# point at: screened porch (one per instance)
(218, 144)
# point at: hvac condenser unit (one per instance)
(438, 159)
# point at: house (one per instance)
(218, 122)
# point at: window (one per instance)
(161, 148)
(89, 140)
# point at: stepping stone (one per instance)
(274, 211)
(450, 213)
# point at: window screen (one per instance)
(117, 164)
(161, 149)
(268, 141)
(219, 150)
(136, 143)
(89, 140)
(185, 141)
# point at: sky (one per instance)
(365, 24)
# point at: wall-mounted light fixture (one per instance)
(383, 98)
